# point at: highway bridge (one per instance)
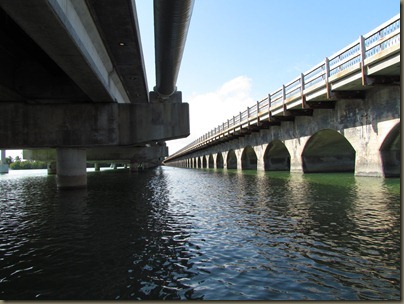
(343, 115)
(73, 80)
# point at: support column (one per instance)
(260, 151)
(51, 168)
(3, 164)
(71, 168)
(96, 167)
(136, 166)
(295, 148)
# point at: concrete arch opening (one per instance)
(219, 161)
(199, 162)
(210, 161)
(328, 151)
(390, 152)
(249, 159)
(276, 157)
(231, 160)
(204, 162)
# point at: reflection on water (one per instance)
(173, 233)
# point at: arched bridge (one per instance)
(343, 115)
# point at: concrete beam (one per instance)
(107, 154)
(80, 38)
(90, 124)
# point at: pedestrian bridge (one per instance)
(343, 115)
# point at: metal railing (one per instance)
(378, 44)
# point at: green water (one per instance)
(173, 233)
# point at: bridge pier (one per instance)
(51, 167)
(3, 164)
(71, 168)
(295, 147)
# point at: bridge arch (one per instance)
(219, 161)
(210, 161)
(248, 159)
(231, 159)
(276, 157)
(390, 152)
(204, 162)
(328, 151)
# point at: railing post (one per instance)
(248, 116)
(258, 111)
(283, 99)
(327, 75)
(269, 107)
(363, 57)
(304, 105)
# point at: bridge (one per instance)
(73, 80)
(343, 115)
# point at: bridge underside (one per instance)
(72, 78)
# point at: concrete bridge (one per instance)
(343, 115)
(72, 79)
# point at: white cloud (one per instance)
(209, 110)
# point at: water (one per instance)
(174, 233)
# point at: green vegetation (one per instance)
(18, 164)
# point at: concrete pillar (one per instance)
(51, 168)
(136, 166)
(97, 167)
(239, 153)
(71, 168)
(224, 154)
(367, 143)
(3, 164)
(259, 151)
(295, 147)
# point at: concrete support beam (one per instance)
(150, 156)
(71, 168)
(89, 125)
(73, 34)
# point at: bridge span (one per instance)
(343, 115)
(73, 80)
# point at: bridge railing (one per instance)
(371, 47)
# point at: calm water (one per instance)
(174, 233)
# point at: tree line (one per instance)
(19, 164)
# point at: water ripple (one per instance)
(200, 234)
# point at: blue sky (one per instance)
(238, 51)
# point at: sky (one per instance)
(238, 51)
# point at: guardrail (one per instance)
(378, 44)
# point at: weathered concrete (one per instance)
(88, 125)
(147, 153)
(358, 135)
(139, 158)
(102, 55)
(71, 168)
